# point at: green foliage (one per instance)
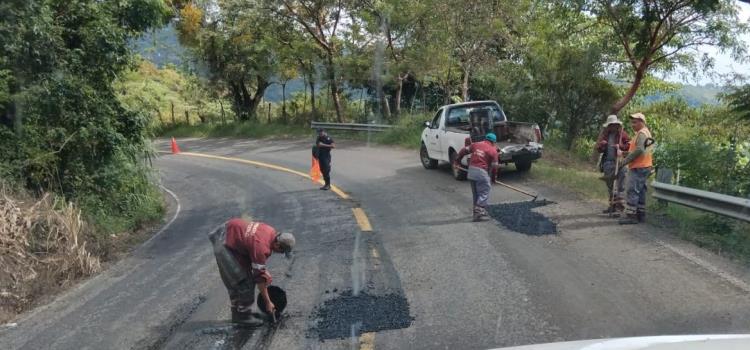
(62, 127)
(738, 100)
(154, 91)
(406, 133)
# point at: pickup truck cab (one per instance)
(451, 129)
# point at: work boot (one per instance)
(609, 210)
(245, 319)
(641, 216)
(326, 187)
(629, 219)
(480, 214)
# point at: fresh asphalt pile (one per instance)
(349, 315)
(520, 217)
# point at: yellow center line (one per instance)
(335, 189)
(367, 341)
(362, 220)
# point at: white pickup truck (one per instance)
(451, 129)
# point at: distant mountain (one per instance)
(698, 95)
(161, 47)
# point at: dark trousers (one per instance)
(237, 280)
(325, 168)
(637, 190)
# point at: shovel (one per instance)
(533, 196)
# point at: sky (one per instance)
(724, 64)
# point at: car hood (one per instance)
(674, 342)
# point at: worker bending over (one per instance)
(482, 165)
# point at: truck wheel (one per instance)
(523, 166)
(427, 162)
(458, 174)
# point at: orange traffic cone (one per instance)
(175, 148)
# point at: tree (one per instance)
(564, 59)
(62, 127)
(476, 32)
(399, 24)
(739, 102)
(321, 20)
(664, 34)
(238, 45)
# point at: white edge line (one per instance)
(174, 217)
(706, 266)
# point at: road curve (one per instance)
(469, 285)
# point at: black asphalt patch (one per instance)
(520, 217)
(350, 315)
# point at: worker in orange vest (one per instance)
(639, 161)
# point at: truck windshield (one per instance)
(459, 116)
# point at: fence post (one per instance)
(269, 112)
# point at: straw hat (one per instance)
(638, 116)
(612, 119)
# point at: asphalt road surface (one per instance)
(468, 285)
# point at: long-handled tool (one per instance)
(533, 196)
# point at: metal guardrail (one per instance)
(350, 126)
(734, 207)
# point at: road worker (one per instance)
(482, 165)
(612, 141)
(640, 162)
(324, 144)
(241, 248)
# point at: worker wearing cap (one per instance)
(639, 162)
(324, 144)
(242, 249)
(612, 141)
(483, 163)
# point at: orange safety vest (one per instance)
(645, 160)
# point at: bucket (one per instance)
(278, 298)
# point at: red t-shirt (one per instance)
(251, 244)
(483, 154)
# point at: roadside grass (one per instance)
(406, 133)
(238, 130)
(721, 235)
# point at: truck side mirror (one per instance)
(428, 124)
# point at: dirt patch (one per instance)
(520, 217)
(348, 315)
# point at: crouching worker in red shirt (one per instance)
(241, 249)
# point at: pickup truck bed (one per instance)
(447, 133)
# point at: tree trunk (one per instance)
(446, 94)
(385, 109)
(399, 89)
(269, 112)
(223, 118)
(640, 73)
(334, 88)
(249, 103)
(304, 98)
(312, 98)
(283, 103)
(465, 85)
(187, 117)
(173, 120)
